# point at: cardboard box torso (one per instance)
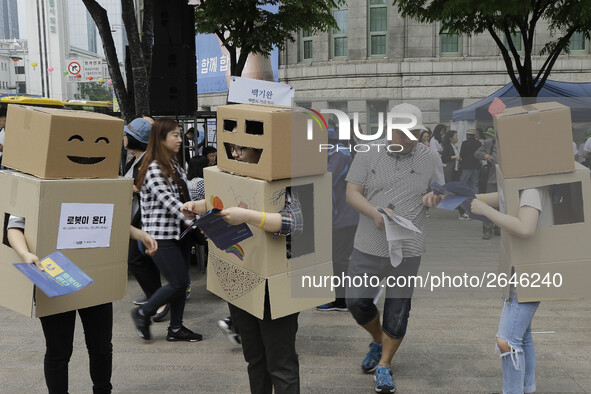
(58, 143)
(43, 204)
(534, 139)
(560, 253)
(282, 134)
(239, 274)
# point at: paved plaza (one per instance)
(449, 347)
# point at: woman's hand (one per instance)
(431, 200)
(33, 259)
(193, 208)
(150, 243)
(479, 207)
(234, 215)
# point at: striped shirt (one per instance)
(161, 204)
(397, 182)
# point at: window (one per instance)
(450, 44)
(517, 41)
(378, 27)
(375, 109)
(307, 52)
(340, 46)
(447, 107)
(19, 69)
(578, 43)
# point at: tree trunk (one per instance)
(99, 15)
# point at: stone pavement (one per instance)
(449, 347)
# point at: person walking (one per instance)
(488, 152)
(469, 165)
(399, 182)
(163, 189)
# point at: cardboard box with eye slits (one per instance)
(280, 132)
(557, 257)
(240, 273)
(58, 143)
(44, 203)
(534, 139)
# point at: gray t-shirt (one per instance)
(397, 182)
(16, 222)
(539, 198)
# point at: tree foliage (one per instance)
(140, 50)
(94, 91)
(247, 26)
(502, 19)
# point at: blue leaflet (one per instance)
(222, 234)
(61, 276)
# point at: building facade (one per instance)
(8, 20)
(377, 59)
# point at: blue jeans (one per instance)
(519, 364)
(470, 177)
(397, 303)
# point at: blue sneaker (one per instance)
(372, 358)
(384, 381)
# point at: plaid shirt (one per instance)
(292, 220)
(161, 205)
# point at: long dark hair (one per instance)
(437, 132)
(157, 151)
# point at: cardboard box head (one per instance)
(559, 253)
(58, 143)
(44, 204)
(534, 139)
(282, 135)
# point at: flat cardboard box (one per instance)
(562, 248)
(280, 131)
(57, 143)
(262, 254)
(246, 289)
(39, 202)
(534, 139)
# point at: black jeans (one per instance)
(59, 336)
(269, 349)
(171, 258)
(143, 268)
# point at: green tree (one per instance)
(95, 91)
(140, 50)
(245, 25)
(502, 19)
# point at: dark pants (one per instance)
(143, 269)
(342, 247)
(269, 349)
(398, 299)
(487, 227)
(171, 258)
(59, 336)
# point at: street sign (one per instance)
(74, 68)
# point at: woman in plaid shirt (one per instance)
(268, 345)
(163, 189)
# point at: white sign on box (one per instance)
(85, 226)
(255, 91)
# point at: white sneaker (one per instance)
(464, 216)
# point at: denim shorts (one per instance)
(398, 299)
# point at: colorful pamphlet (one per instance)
(59, 277)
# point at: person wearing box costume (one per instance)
(268, 345)
(514, 338)
(59, 328)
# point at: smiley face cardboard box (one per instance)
(290, 140)
(56, 143)
(239, 274)
(86, 219)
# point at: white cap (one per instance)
(406, 108)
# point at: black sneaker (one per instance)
(142, 324)
(332, 306)
(183, 334)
